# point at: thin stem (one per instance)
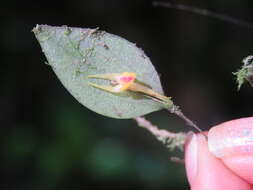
(179, 113)
(204, 12)
(177, 160)
(169, 139)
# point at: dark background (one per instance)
(50, 141)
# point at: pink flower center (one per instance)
(126, 79)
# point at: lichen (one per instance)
(245, 73)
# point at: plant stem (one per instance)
(204, 12)
(169, 139)
(177, 160)
(179, 113)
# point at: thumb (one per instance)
(205, 171)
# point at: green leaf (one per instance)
(75, 53)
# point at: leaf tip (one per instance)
(36, 29)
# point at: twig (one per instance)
(204, 12)
(179, 113)
(177, 160)
(169, 139)
(175, 109)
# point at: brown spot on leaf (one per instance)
(106, 47)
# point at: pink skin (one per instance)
(225, 162)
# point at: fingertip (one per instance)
(191, 158)
(194, 148)
(233, 143)
(204, 171)
(242, 166)
(231, 138)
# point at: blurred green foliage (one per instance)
(50, 141)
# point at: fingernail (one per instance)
(232, 138)
(191, 158)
